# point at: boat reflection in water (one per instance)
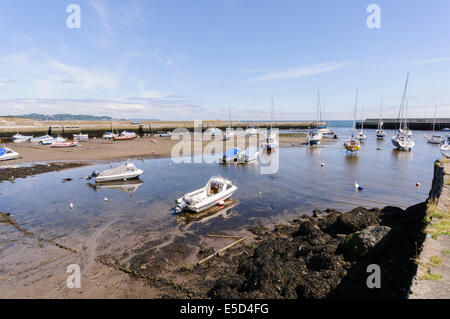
(129, 186)
(186, 219)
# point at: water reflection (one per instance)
(128, 186)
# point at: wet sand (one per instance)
(99, 149)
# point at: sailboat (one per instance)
(361, 136)
(352, 144)
(434, 139)
(229, 133)
(270, 142)
(402, 140)
(380, 132)
(315, 136)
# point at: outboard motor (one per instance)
(94, 174)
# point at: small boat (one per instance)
(50, 140)
(8, 154)
(314, 137)
(250, 155)
(403, 141)
(64, 144)
(381, 134)
(229, 156)
(353, 144)
(19, 138)
(217, 190)
(125, 136)
(446, 129)
(40, 139)
(435, 139)
(109, 135)
(361, 137)
(445, 150)
(271, 142)
(80, 137)
(123, 172)
(229, 134)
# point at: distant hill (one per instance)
(60, 117)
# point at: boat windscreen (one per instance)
(2, 151)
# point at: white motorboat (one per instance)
(163, 134)
(229, 156)
(109, 135)
(40, 139)
(50, 140)
(250, 155)
(403, 140)
(19, 138)
(123, 172)
(80, 137)
(8, 154)
(445, 150)
(216, 191)
(314, 137)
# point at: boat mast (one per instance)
(271, 116)
(354, 114)
(318, 108)
(434, 118)
(402, 104)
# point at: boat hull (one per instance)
(402, 145)
(120, 177)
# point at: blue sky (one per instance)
(195, 59)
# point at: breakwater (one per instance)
(414, 123)
(66, 129)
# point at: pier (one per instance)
(414, 123)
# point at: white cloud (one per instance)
(437, 60)
(300, 72)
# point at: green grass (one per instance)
(436, 260)
(447, 252)
(431, 276)
(438, 221)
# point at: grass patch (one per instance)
(436, 260)
(447, 252)
(431, 276)
(438, 221)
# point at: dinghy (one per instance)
(229, 156)
(125, 136)
(216, 191)
(19, 138)
(123, 172)
(8, 154)
(64, 144)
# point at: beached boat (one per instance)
(123, 172)
(251, 131)
(39, 139)
(64, 144)
(403, 140)
(19, 138)
(271, 142)
(229, 156)
(80, 137)
(352, 144)
(50, 140)
(163, 134)
(109, 135)
(250, 155)
(8, 154)
(125, 136)
(216, 191)
(314, 137)
(212, 131)
(445, 150)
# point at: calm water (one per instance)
(389, 177)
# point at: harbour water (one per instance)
(389, 177)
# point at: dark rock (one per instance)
(360, 243)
